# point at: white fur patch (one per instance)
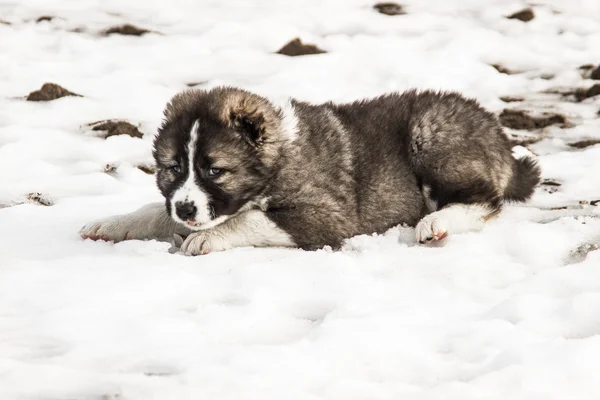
(519, 152)
(250, 228)
(190, 191)
(289, 120)
(457, 218)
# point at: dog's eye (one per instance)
(214, 172)
(175, 168)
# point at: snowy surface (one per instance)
(508, 313)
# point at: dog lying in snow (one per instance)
(238, 170)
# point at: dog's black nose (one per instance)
(185, 210)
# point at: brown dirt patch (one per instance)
(595, 73)
(116, 128)
(582, 144)
(524, 15)
(590, 92)
(149, 169)
(389, 8)
(511, 99)
(296, 48)
(44, 18)
(523, 120)
(127, 29)
(50, 91)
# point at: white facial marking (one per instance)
(190, 192)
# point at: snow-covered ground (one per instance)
(512, 312)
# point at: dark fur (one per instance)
(353, 169)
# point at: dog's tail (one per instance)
(526, 176)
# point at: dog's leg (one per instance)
(149, 222)
(454, 218)
(250, 228)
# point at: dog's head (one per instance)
(216, 152)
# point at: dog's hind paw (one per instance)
(430, 228)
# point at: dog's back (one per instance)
(377, 163)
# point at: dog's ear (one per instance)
(250, 125)
(253, 116)
(183, 102)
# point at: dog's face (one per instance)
(215, 153)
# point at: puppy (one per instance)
(238, 170)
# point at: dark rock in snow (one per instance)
(115, 128)
(596, 73)
(591, 92)
(43, 18)
(524, 15)
(296, 48)
(149, 169)
(110, 169)
(503, 70)
(582, 144)
(39, 199)
(50, 91)
(519, 119)
(551, 182)
(512, 99)
(194, 84)
(550, 186)
(127, 29)
(389, 8)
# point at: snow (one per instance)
(507, 313)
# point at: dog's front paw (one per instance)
(430, 228)
(113, 229)
(204, 242)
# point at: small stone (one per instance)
(512, 99)
(147, 168)
(44, 18)
(519, 119)
(127, 29)
(296, 48)
(39, 199)
(582, 144)
(591, 92)
(50, 91)
(524, 15)
(596, 73)
(502, 69)
(389, 8)
(110, 169)
(115, 128)
(550, 186)
(2, 22)
(551, 182)
(193, 84)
